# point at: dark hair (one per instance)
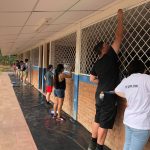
(49, 67)
(98, 47)
(26, 60)
(136, 66)
(59, 69)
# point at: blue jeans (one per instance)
(135, 139)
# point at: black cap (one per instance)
(98, 46)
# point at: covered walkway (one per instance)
(32, 127)
(47, 32)
(14, 131)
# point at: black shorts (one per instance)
(106, 110)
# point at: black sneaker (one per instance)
(98, 149)
(48, 102)
(101, 148)
(92, 145)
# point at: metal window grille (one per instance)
(35, 56)
(63, 50)
(136, 41)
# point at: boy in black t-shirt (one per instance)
(26, 70)
(105, 73)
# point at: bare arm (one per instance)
(120, 94)
(93, 79)
(63, 75)
(44, 78)
(119, 32)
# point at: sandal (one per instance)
(60, 119)
(54, 116)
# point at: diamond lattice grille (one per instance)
(136, 41)
(63, 50)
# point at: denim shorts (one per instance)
(60, 93)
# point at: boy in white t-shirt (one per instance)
(136, 90)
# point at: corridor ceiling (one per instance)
(24, 23)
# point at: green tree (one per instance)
(7, 60)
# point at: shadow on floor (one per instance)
(48, 133)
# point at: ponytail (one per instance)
(58, 70)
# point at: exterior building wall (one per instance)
(86, 104)
(34, 80)
(147, 147)
(68, 102)
(29, 77)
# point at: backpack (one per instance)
(23, 67)
(18, 65)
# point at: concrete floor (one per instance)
(26, 123)
(14, 131)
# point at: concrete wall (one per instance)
(34, 80)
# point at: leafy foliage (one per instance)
(7, 60)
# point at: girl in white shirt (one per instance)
(136, 90)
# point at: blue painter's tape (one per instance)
(85, 78)
(43, 80)
(77, 79)
(75, 99)
(35, 67)
(40, 78)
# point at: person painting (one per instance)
(59, 92)
(26, 71)
(18, 68)
(22, 68)
(136, 90)
(49, 82)
(105, 73)
(14, 67)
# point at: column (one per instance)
(77, 71)
(44, 65)
(40, 68)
